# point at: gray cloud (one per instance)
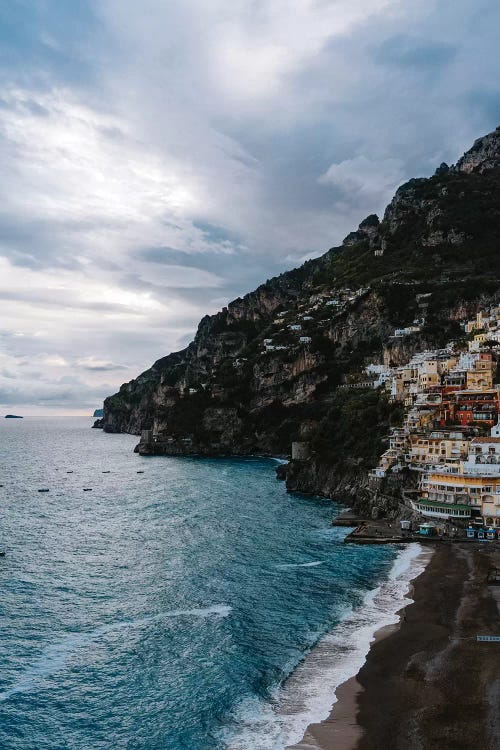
(417, 54)
(245, 138)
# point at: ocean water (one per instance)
(194, 606)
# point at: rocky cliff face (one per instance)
(484, 154)
(267, 369)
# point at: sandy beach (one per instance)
(427, 684)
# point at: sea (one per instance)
(156, 603)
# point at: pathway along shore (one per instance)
(428, 685)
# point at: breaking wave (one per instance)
(307, 696)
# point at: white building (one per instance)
(399, 332)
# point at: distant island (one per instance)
(99, 413)
(13, 416)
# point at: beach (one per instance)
(427, 684)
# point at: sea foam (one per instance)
(307, 696)
(54, 657)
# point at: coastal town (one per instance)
(450, 436)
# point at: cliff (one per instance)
(281, 363)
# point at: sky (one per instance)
(161, 158)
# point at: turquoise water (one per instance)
(165, 610)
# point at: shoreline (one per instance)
(426, 682)
(339, 730)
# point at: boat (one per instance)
(44, 489)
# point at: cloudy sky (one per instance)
(159, 158)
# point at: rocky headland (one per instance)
(285, 362)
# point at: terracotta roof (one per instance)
(486, 440)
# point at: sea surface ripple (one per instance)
(162, 610)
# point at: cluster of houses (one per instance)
(297, 322)
(451, 431)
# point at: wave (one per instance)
(308, 695)
(286, 566)
(54, 657)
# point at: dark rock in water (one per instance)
(281, 472)
(13, 416)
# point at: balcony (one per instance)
(432, 509)
(478, 470)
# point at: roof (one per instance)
(450, 436)
(470, 392)
(443, 506)
(486, 440)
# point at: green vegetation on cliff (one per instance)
(266, 370)
(353, 432)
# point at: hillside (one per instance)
(266, 370)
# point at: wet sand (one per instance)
(428, 684)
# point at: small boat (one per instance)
(140, 472)
(87, 489)
(44, 489)
(2, 553)
(70, 472)
(107, 472)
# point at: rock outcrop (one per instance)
(484, 154)
(267, 369)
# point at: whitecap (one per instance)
(56, 655)
(307, 696)
(286, 566)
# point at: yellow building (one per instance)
(471, 489)
(478, 341)
(475, 324)
(428, 379)
(402, 381)
(420, 417)
(477, 380)
(440, 447)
